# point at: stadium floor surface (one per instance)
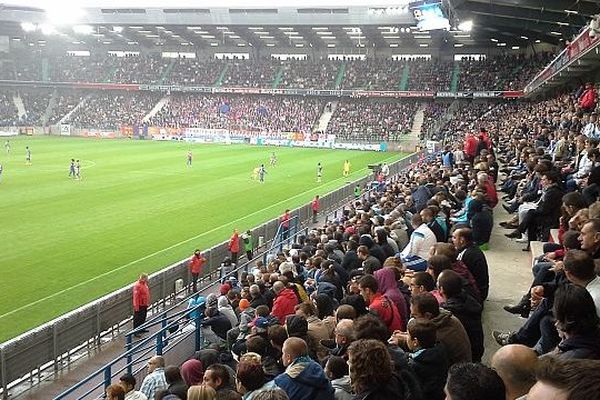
(137, 208)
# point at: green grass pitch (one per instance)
(136, 209)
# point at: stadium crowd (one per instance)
(111, 109)
(399, 281)
(504, 72)
(372, 120)
(242, 113)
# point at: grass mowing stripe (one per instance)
(57, 233)
(26, 306)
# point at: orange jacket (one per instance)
(234, 243)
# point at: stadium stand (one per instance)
(372, 119)
(245, 113)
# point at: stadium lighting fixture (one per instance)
(117, 29)
(458, 44)
(538, 41)
(515, 47)
(494, 40)
(214, 44)
(555, 33)
(423, 45)
(270, 45)
(256, 28)
(28, 26)
(16, 39)
(563, 23)
(330, 45)
(241, 44)
(63, 13)
(571, 11)
(207, 36)
(83, 29)
(524, 38)
(393, 44)
(320, 29)
(299, 45)
(47, 29)
(502, 44)
(132, 43)
(135, 27)
(466, 26)
(322, 33)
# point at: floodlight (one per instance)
(28, 26)
(466, 26)
(83, 29)
(117, 29)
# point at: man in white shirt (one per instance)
(416, 252)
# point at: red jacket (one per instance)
(387, 311)
(284, 305)
(285, 220)
(315, 204)
(234, 243)
(588, 98)
(471, 146)
(141, 295)
(490, 192)
(196, 264)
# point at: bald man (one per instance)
(516, 365)
(303, 379)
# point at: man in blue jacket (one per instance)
(303, 379)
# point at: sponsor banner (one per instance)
(10, 131)
(581, 45)
(100, 134)
(359, 146)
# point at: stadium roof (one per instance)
(550, 21)
(303, 24)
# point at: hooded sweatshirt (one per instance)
(226, 309)
(580, 346)
(284, 304)
(304, 379)
(452, 334)
(388, 286)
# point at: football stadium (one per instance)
(314, 200)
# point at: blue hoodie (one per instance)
(304, 379)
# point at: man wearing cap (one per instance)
(127, 382)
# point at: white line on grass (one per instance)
(83, 283)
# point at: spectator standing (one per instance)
(155, 380)
(470, 254)
(315, 209)
(248, 241)
(285, 225)
(195, 264)
(234, 246)
(141, 301)
(588, 98)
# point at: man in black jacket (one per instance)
(350, 262)
(465, 308)
(474, 259)
(545, 216)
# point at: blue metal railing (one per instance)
(157, 343)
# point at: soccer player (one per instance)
(1, 169)
(7, 146)
(78, 170)
(72, 168)
(189, 159)
(347, 166)
(319, 172)
(261, 173)
(27, 155)
(273, 159)
(255, 172)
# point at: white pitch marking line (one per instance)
(26, 306)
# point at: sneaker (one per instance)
(503, 338)
(522, 240)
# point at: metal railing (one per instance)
(40, 353)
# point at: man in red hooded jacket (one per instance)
(379, 304)
(141, 300)
(284, 303)
(588, 98)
